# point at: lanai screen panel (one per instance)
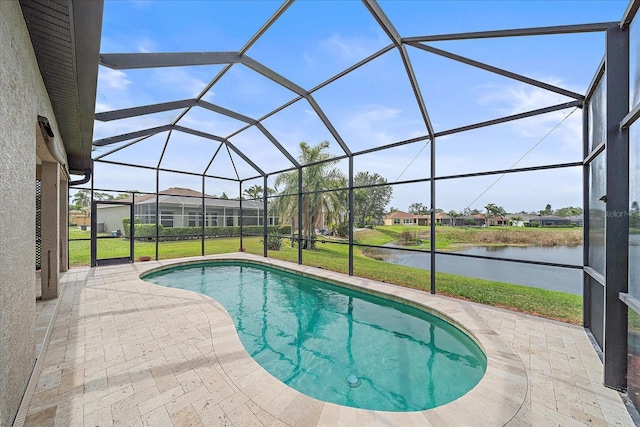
(360, 75)
(440, 101)
(393, 94)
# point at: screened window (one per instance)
(166, 218)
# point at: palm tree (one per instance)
(493, 211)
(254, 192)
(491, 208)
(454, 215)
(82, 203)
(82, 199)
(316, 179)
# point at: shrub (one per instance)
(274, 241)
(341, 229)
(283, 229)
(143, 231)
(146, 231)
(408, 238)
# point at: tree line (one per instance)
(493, 210)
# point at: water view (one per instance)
(539, 276)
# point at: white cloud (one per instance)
(514, 98)
(146, 45)
(119, 127)
(180, 79)
(102, 106)
(371, 123)
(211, 123)
(343, 48)
(112, 79)
(209, 96)
(517, 97)
(336, 44)
(374, 125)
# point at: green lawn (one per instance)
(382, 235)
(550, 304)
(80, 251)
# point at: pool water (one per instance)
(335, 344)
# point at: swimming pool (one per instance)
(335, 344)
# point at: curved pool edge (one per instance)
(495, 400)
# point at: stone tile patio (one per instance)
(122, 351)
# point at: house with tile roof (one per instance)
(405, 218)
(181, 207)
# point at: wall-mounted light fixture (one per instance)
(46, 127)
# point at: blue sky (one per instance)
(372, 106)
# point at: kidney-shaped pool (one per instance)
(336, 344)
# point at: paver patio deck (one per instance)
(126, 352)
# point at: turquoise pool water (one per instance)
(335, 344)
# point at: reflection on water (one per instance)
(539, 276)
(335, 344)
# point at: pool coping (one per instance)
(495, 400)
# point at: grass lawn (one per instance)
(551, 304)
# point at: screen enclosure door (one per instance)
(111, 233)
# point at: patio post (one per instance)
(617, 204)
(50, 234)
(350, 215)
(64, 223)
(265, 218)
(240, 211)
(300, 215)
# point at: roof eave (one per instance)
(87, 28)
(72, 89)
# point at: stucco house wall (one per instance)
(405, 218)
(79, 218)
(22, 98)
(111, 216)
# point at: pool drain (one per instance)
(353, 380)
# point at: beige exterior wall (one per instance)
(79, 218)
(406, 221)
(50, 232)
(111, 216)
(22, 98)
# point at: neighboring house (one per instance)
(515, 223)
(405, 218)
(498, 221)
(577, 220)
(79, 218)
(443, 219)
(550, 220)
(182, 207)
(472, 220)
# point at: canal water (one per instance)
(539, 276)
